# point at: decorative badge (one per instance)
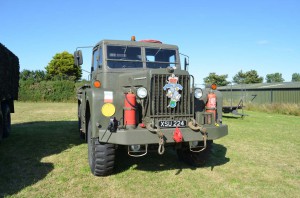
(172, 89)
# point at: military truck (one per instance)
(9, 85)
(141, 98)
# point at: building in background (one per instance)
(261, 93)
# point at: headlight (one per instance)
(142, 92)
(198, 93)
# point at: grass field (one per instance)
(44, 157)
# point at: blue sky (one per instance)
(219, 36)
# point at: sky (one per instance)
(218, 36)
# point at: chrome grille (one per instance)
(159, 102)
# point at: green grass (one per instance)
(286, 109)
(44, 157)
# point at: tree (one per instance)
(220, 80)
(296, 77)
(62, 67)
(239, 78)
(39, 75)
(275, 77)
(34, 76)
(25, 74)
(248, 77)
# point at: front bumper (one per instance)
(144, 136)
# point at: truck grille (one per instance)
(159, 102)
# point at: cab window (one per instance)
(124, 57)
(100, 58)
(95, 59)
(160, 58)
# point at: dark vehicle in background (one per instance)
(142, 99)
(9, 86)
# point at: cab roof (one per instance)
(137, 43)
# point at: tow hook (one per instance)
(196, 127)
(161, 147)
(204, 135)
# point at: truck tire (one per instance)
(101, 155)
(196, 159)
(81, 134)
(6, 120)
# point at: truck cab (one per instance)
(141, 98)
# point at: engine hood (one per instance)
(142, 78)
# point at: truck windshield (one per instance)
(124, 57)
(160, 58)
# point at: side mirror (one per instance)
(78, 58)
(186, 63)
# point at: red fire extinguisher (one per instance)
(129, 109)
(211, 104)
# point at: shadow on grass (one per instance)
(168, 161)
(21, 153)
(232, 116)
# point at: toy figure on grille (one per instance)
(173, 90)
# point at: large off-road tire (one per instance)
(196, 159)
(81, 134)
(6, 120)
(101, 155)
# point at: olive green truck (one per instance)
(9, 85)
(142, 99)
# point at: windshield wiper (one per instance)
(157, 52)
(125, 50)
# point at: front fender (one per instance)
(96, 99)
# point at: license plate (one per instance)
(172, 123)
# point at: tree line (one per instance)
(249, 77)
(61, 67)
(58, 82)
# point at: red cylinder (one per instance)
(129, 109)
(211, 104)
